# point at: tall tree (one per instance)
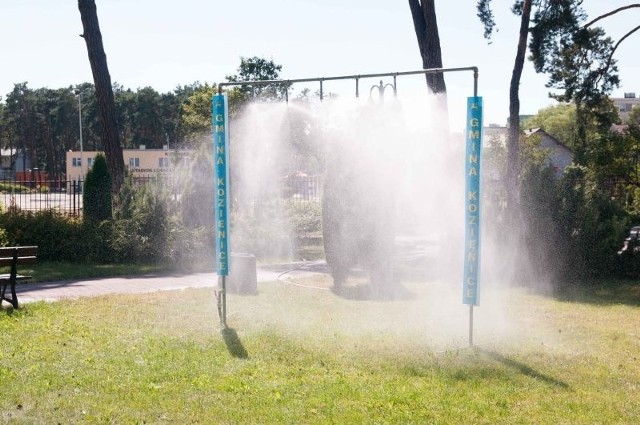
(254, 69)
(65, 128)
(634, 116)
(46, 103)
(513, 151)
(557, 120)
(170, 112)
(91, 129)
(5, 134)
(21, 123)
(426, 28)
(40, 123)
(579, 59)
(196, 113)
(104, 91)
(554, 14)
(147, 122)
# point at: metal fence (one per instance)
(64, 196)
(302, 188)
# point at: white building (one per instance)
(559, 156)
(139, 162)
(625, 104)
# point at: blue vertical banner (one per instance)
(472, 201)
(221, 181)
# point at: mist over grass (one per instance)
(299, 354)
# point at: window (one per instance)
(163, 162)
(134, 162)
(90, 162)
(626, 107)
(76, 162)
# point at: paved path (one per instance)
(52, 291)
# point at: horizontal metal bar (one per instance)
(350, 77)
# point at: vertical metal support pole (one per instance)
(220, 121)
(222, 301)
(357, 87)
(471, 279)
(475, 82)
(395, 86)
(81, 148)
(471, 326)
(75, 189)
(475, 94)
(321, 92)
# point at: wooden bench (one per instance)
(14, 256)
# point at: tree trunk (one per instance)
(49, 148)
(513, 148)
(580, 144)
(104, 91)
(426, 27)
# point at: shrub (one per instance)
(304, 217)
(262, 229)
(4, 237)
(58, 237)
(271, 228)
(191, 247)
(573, 228)
(198, 195)
(97, 199)
(13, 188)
(592, 223)
(543, 240)
(142, 225)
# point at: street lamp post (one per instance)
(80, 125)
(79, 93)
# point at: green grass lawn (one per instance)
(298, 353)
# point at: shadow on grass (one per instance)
(234, 345)
(523, 368)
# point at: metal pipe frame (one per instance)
(357, 78)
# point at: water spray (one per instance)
(472, 175)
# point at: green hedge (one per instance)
(573, 228)
(58, 237)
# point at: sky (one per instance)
(167, 44)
